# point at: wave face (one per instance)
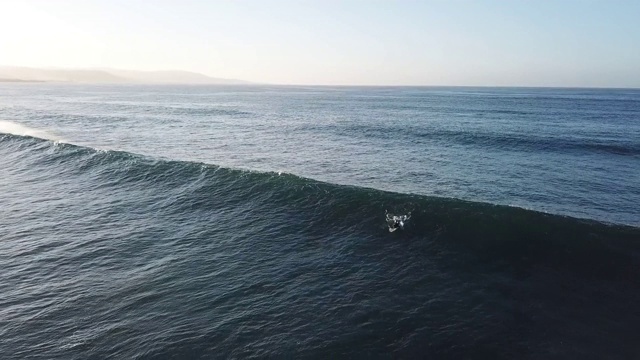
(571, 152)
(108, 254)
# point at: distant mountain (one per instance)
(170, 77)
(16, 80)
(109, 76)
(65, 75)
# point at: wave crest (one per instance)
(10, 127)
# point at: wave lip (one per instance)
(10, 127)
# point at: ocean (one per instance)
(197, 222)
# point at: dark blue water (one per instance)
(200, 222)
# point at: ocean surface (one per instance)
(196, 222)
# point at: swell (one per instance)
(284, 203)
(531, 143)
(500, 141)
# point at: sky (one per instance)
(377, 42)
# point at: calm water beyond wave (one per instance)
(249, 222)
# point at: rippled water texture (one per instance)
(216, 222)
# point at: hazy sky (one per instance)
(529, 43)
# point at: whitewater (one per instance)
(249, 221)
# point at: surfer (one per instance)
(396, 222)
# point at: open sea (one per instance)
(198, 222)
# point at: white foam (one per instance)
(9, 127)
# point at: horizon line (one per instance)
(256, 83)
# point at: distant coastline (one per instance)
(2, 80)
(110, 76)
